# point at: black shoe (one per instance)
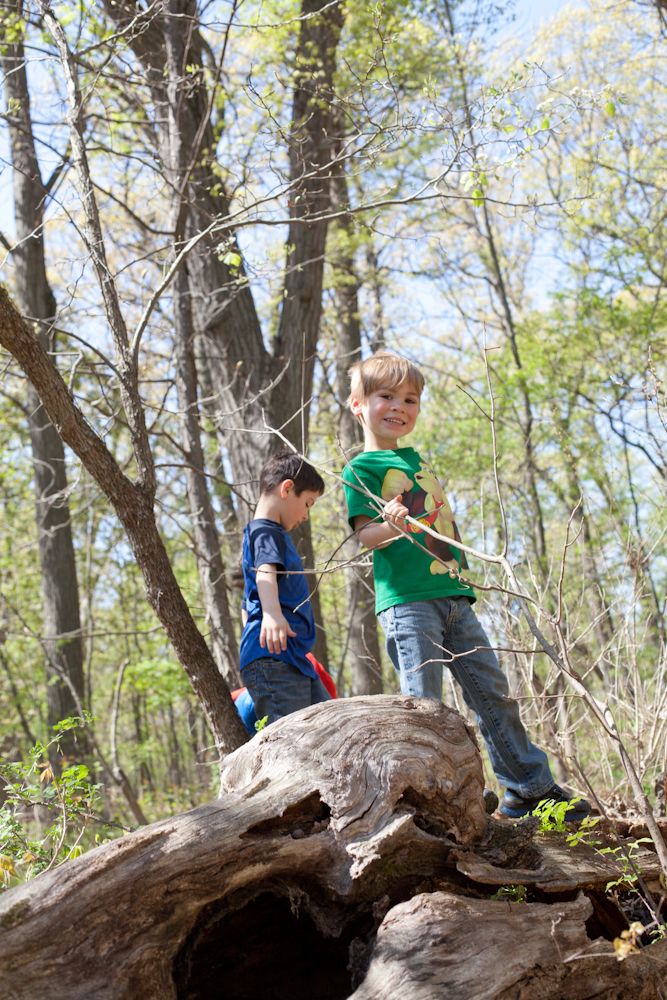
(490, 801)
(514, 806)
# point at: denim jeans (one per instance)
(424, 636)
(278, 688)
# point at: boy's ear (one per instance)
(356, 406)
(285, 488)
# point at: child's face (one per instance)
(388, 414)
(295, 509)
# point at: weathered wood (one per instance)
(343, 818)
(326, 805)
(549, 863)
(439, 946)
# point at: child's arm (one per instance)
(275, 627)
(373, 534)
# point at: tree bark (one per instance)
(363, 647)
(440, 945)
(208, 555)
(324, 808)
(339, 819)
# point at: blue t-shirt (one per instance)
(267, 543)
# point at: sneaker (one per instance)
(490, 801)
(515, 806)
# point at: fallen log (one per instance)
(327, 824)
(439, 945)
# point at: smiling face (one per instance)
(387, 415)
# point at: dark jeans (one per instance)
(277, 688)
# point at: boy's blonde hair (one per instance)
(383, 370)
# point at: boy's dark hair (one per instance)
(287, 465)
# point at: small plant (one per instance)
(630, 893)
(66, 800)
(261, 723)
(552, 815)
(657, 931)
(512, 893)
(625, 857)
(583, 833)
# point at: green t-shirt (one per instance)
(403, 571)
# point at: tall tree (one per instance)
(363, 647)
(62, 642)
(260, 388)
(134, 505)
(177, 150)
(133, 501)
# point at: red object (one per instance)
(323, 675)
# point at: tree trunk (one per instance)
(207, 541)
(208, 556)
(311, 153)
(134, 508)
(60, 591)
(340, 818)
(257, 389)
(439, 945)
(363, 647)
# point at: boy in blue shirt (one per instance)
(423, 605)
(279, 630)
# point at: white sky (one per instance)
(529, 13)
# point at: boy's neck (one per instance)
(371, 443)
(269, 508)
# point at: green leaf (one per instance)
(13, 28)
(511, 893)
(64, 13)
(232, 259)
(71, 722)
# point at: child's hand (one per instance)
(395, 512)
(274, 633)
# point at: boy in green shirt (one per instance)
(424, 607)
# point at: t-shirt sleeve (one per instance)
(355, 478)
(267, 547)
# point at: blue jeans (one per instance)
(278, 689)
(424, 636)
